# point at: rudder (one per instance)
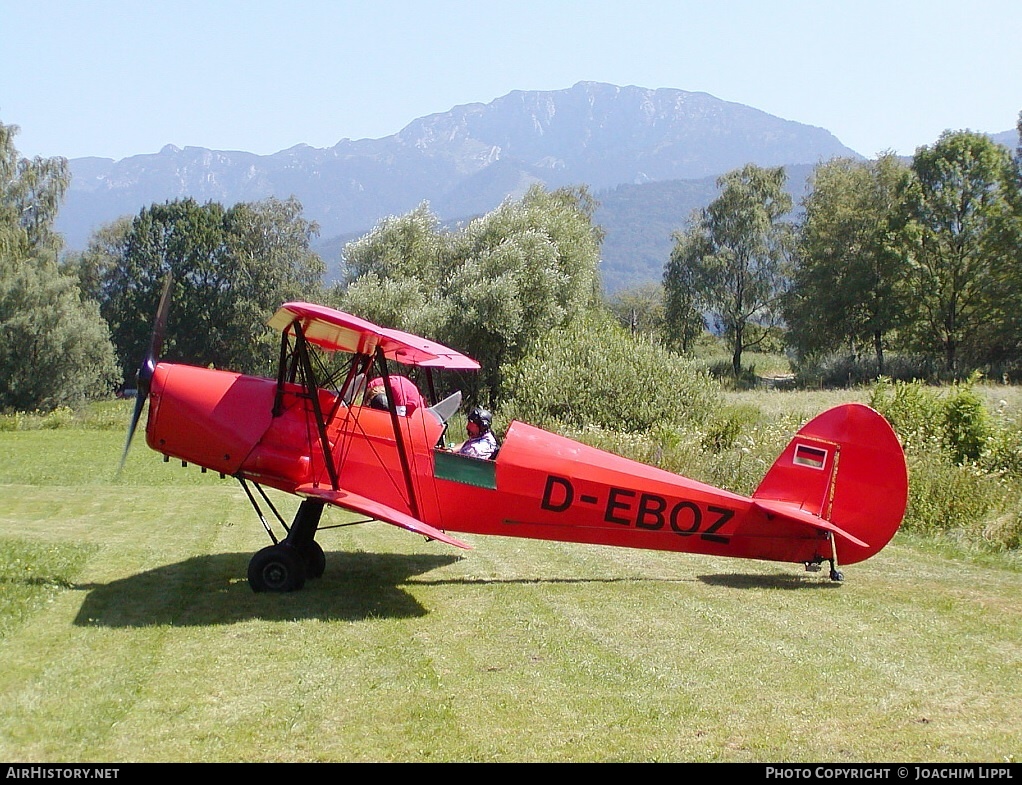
(847, 466)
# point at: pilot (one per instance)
(481, 443)
(407, 397)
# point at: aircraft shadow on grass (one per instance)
(211, 589)
(772, 581)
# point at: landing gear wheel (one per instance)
(276, 568)
(314, 558)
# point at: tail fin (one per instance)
(845, 466)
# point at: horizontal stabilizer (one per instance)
(794, 513)
(381, 512)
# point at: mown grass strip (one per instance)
(32, 574)
(141, 640)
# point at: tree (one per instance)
(640, 310)
(958, 199)
(92, 266)
(849, 283)
(525, 268)
(492, 289)
(54, 348)
(683, 321)
(232, 267)
(398, 273)
(31, 192)
(269, 245)
(733, 258)
(1000, 335)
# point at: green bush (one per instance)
(912, 410)
(954, 419)
(966, 425)
(594, 373)
(1002, 452)
(963, 463)
(944, 497)
(973, 509)
(723, 429)
(842, 370)
(724, 372)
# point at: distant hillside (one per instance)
(640, 221)
(465, 161)
(649, 156)
(1009, 139)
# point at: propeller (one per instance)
(146, 370)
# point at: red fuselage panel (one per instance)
(550, 487)
(208, 417)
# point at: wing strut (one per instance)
(287, 372)
(432, 387)
(402, 449)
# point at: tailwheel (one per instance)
(314, 558)
(277, 568)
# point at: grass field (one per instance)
(128, 633)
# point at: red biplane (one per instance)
(838, 490)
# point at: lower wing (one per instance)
(381, 512)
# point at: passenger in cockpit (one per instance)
(403, 392)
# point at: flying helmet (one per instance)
(481, 417)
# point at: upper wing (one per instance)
(381, 512)
(338, 331)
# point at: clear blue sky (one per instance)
(115, 78)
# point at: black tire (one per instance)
(276, 568)
(315, 560)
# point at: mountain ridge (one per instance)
(467, 160)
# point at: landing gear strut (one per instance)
(284, 566)
(835, 574)
(814, 566)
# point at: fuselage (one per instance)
(540, 485)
